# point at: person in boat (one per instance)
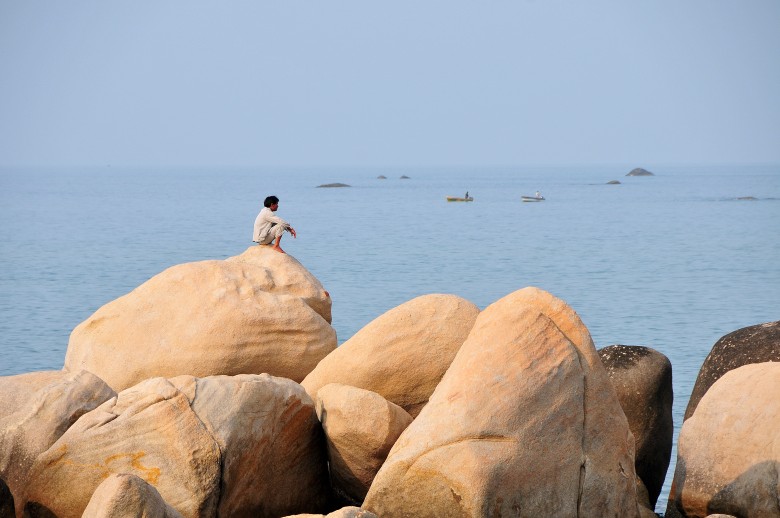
(538, 194)
(467, 195)
(269, 227)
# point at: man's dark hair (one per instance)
(270, 201)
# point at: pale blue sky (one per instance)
(402, 83)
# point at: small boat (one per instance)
(456, 198)
(532, 198)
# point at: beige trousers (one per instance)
(274, 232)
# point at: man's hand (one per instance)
(292, 231)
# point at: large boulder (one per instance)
(250, 445)
(754, 344)
(642, 378)
(524, 423)
(127, 496)
(258, 312)
(728, 453)
(34, 427)
(402, 354)
(270, 440)
(360, 427)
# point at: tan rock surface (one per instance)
(17, 391)
(283, 274)
(524, 423)
(248, 445)
(258, 312)
(273, 452)
(360, 427)
(753, 344)
(149, 431)
(728, 455)
(127, 496)
(36, 425)
(402, 354)
(345, 512)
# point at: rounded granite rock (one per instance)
(524, 423)
(246, 445)
(642, 378)
(39, 422)
(728, 453)
(753, 344)
(127, 495)
(257, 312)
(402, 354)
(360, 427)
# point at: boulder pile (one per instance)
(216, 389)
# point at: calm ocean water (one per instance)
(672, 261)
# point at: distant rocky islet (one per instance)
(640, 172)
(338, 184)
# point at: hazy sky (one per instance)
(401, 83)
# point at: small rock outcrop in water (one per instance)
(613, 182)
(404, 177)
(260, 311)
(747, 198)
(640, 172)
(524, 423)
(753, 344)
(334, 185)
(729, 451)
(381, 177)
(402, 354)
(642, 378)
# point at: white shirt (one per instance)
(263, 223)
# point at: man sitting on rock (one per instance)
(269, 226)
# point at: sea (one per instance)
(672, 261)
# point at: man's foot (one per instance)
(278, 249)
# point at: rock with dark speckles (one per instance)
(754, 344)
(642, 378)
(728, 451)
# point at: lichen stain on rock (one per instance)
(113, 464)
(455, 495)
